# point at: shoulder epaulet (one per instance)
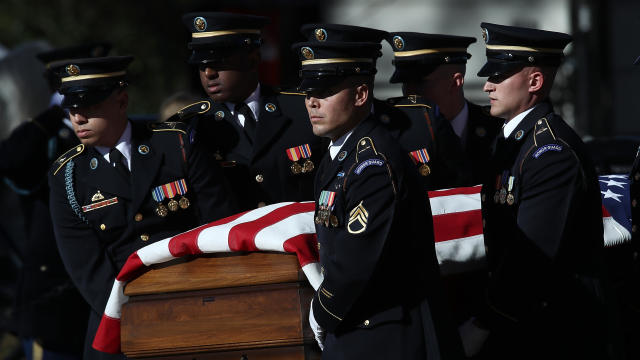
(365, 146)
(367, 156)
(189, 111)
(542, 132)
(68, 155)
(408, 101)
(169, 126)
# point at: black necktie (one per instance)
(116, 160)
(249, 120)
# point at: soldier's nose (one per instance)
(210, 72)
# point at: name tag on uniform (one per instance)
(100, 204)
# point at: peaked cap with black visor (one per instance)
(98, 49)
(333, 52)
(510, 48)
(89, 81)
(417, 55)
(217, 35)
(48, 57)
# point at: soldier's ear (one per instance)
(536, 81)
(458, 80)
(361, 95)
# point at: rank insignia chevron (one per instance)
(359, 215)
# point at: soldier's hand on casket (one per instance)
(318, 331)
(473, 336)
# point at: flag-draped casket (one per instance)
(234, 287)
(221, 307)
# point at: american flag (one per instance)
(289, 227)
(616, 208)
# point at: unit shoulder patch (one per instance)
(365, 164)
(169, 126)
(548, 147)
(68, 155)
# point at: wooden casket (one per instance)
(220, 306)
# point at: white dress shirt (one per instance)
(512, 124)
(334, 147)
(253, 101)
(123, 145)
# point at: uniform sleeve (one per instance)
(550, 181)
(214, 198)
(370, 200)
(84, 257)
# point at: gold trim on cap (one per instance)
(224, 32)
(93, 76)
(523, 48)
(336, 60)
(427, 51)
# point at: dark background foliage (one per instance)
(153, 32)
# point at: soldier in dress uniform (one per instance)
(125, 186)
(49, 314)
(380, 297)
(433, 66)
(541, 210)
(261, 137)
(416, 123)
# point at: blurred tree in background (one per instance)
(153, 32)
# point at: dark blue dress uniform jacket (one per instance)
(260, 172)
(47, 306)
(95, 244)
(381, 295)
(416, 124)
(544, 243)
(482, 129)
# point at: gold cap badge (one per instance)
(307, 53)
(398, 42)
(485, 35)
(200, 23)
(321, 34)
(73, 70)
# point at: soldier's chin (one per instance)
(219, 97)
(319, 130)
(496, 111)
(88, 141)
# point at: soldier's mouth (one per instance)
(82, 133)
